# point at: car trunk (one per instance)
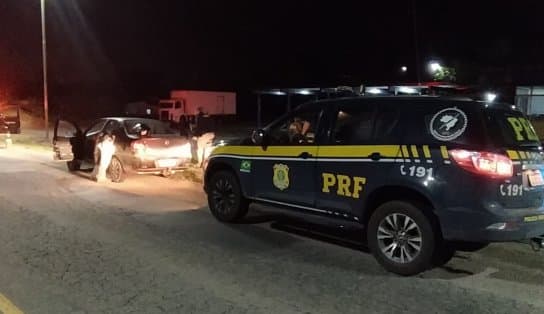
(165, 151)
(167, 146)
(513, 133)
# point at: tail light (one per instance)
(138, 148)
(484, 163)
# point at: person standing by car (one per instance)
(204, 134)
(144, 130)
(104, 151)
(184, 126)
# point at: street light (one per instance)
(434, 66)
(403, 69)
(490, 97)
(44, 61)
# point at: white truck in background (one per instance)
(187, 102)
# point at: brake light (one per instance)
(485, 163)
(138, 147)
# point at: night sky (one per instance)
(146, 47)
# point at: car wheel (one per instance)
(401, 238)
(116, 171)
(225, 197)
(73, 165)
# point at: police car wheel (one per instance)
(116, 172)
(401, 238)
(225, 197)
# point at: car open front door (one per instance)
(67, 140)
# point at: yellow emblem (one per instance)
(281, 176)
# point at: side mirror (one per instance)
(258, 137)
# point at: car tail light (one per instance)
(138, 147)
(485, 163)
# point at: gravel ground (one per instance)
(149, 245)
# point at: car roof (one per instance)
(121, 119)
(431, 100)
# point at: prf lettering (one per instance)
(345, 185)
(520, 126)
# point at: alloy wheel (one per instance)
(224, 196)
(399, 238)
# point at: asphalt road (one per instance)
(149, 245)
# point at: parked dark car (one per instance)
(11, 118)
(163, 151)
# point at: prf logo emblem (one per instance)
(448, 124)
(281, 176)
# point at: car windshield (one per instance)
(157, 127)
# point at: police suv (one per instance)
(417, 173)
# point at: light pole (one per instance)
(416, 41)
(44, 61)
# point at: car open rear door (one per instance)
(67, 140)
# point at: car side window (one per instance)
(113, 126)
(387, 128)
(299, 128)
(96, 128)
(354, 124)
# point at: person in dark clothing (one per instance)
(144, 130)
(184, 128)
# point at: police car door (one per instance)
(283, 169)
(359, 156)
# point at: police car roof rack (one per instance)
(413, 90)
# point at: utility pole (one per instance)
(44, 61)
(416, 41)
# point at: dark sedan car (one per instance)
(163, 151)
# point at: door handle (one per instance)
(305, 155)
(375, 156)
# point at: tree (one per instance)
(445, 74)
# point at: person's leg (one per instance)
(105, 159)
(94, 174)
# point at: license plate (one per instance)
(535, 178)
(167, 163)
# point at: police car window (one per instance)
(417, 128)
(387, 127)
(297, 129)
(354, 124)
(511, 128)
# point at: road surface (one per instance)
(149, 245)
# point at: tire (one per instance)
(225, 198)
(73, 165)
(116, 170)
(392, 247)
